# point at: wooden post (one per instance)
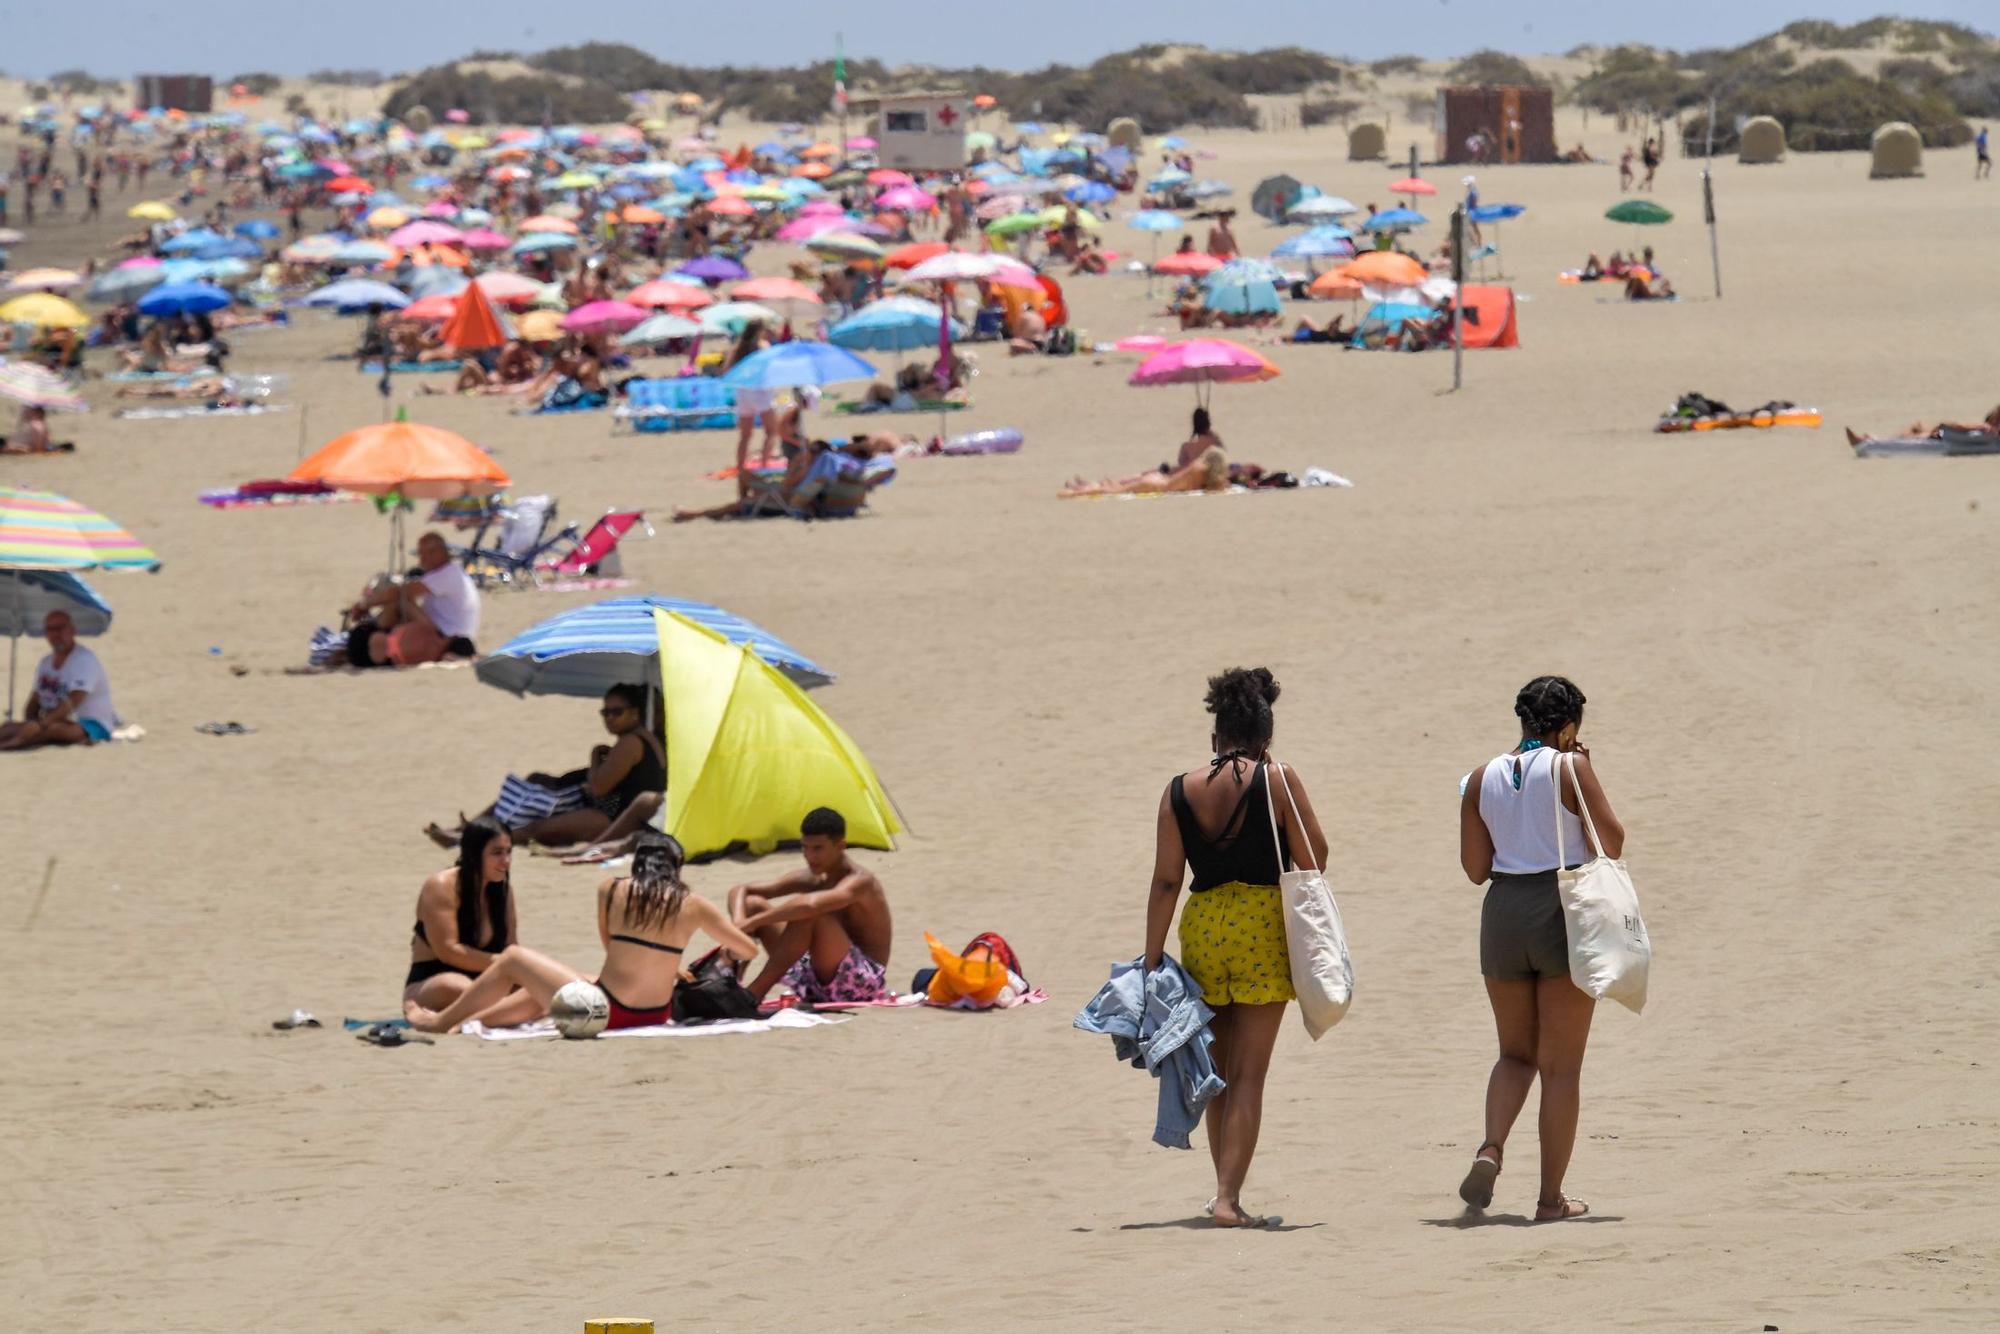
(1458, 297)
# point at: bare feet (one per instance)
(425, 1021)
(444, 838)
(1853, 438)
(1560, 1208)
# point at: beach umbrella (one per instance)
(440, 306)
(363, 252)
(1242, 287)
(183, 299)
(435, 280)
(189, 241)
(604, 317)
(355, 294)
(660, 329)
(731, 206)
(44, 310)
(1335, 286)
(425, 231)
(785, 293)
(664, 293)
(1412, 186)
(1394, 220)
(909, 256)
(714, 269)
(482, 238)
(1274, 195)
(122, 284)
(906, 199)
(507, 288)
(474, 325)
(1203, 363)
(1014, 224)
(846, 244)
(38, 387)
(151, 210)
(540, 326)
(1384, 268)
(958, 266)
(585, 651)
(798, 363)
(730, 317)
(540, 241)
(41, 280)
(1638, 212)
(1155, 220)
(40, 530)
(1317, 207)
(1090, 192)
(549, 222)
(387, 218)
(418, 462)
(807, 226)
(749, 754)
(257, 229)
(1187, 262)
(1319, 243)
(894, 324)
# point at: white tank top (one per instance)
(1523, 829)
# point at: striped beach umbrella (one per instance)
(587, 651)
(40, 530)
(38, 387)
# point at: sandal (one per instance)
(1560, 1208)
(1477, 1188)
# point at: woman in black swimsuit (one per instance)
(465, 918)
(654, 917)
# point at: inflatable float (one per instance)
(1004, 440)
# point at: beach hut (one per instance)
(1367, 142)
(1898, 151)
(1762, 141)
(1125, 133)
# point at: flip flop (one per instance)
(386, 1035)
(296, 1019)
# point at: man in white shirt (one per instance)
(424, 619)
(70, 704)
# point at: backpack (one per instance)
(714, 994)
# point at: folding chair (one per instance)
(596, 552)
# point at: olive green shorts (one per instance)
(1521, 931)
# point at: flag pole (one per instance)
(840, 92)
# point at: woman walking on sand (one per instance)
(1507, 830)
(1217, 821)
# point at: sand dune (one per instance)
(1787, 654)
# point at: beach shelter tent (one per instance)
(748, 754)
(1898, 151)
(1762, 141)
(1488, 318)
(1367, 142)
(1125, 133)
(473, 326)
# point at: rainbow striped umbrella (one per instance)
(38, 387)
(40, 530)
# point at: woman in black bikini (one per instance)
(655, 918)
(465, 918)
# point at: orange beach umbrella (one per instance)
(1384, 268)
(473, 327)
(421, 462)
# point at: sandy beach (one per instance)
(1789, 656)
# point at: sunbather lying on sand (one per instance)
(646, 922)
(200, 387)
(1990, 424)
(1203, 465)
(1638, 289)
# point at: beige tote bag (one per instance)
(1609, 952)
(1315, 940)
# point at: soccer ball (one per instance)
(580, 1010)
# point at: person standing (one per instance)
(1982, 166)
(1518, 823)
(1221, 822)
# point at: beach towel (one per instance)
(201, 410)
(546, 1028)
(1947, 444)
(521, 801)
(274, 492)
(903, 403)
(155, 376)
(411, 367)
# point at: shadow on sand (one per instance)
(1204, 1223)
(1476, 1218)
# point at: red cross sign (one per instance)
(946, 116)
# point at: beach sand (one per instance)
(1789, 657)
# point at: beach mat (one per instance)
(546, 1028)
(411, 367)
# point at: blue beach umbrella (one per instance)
(1155, 220)
(536, 241)
(1242, 287)
(183, 299)
(586, 651)
(1393, 313)
(124, 284)
(1394, 220)
(190, 241)
(1486, 213)
(231, 247)
(1319, 243)
(28, 596)
(1090, 192)
(355, 294)
(798, 363)
(895, 324)
(257, 229)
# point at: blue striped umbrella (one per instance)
(587, 651)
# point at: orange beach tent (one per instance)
(1489, 317)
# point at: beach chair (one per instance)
(683, 404)
(520, 531)
(595, 553)
(835, 487)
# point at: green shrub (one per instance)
(1487, 68)
(1327, 110)
(1389, 65)
(517, 101)
(259, 84)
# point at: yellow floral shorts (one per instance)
(1233, 945)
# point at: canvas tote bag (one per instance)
(1609, 952)
(1315, 940)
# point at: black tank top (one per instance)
(1243, 851)
(648, 775)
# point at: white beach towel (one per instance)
(546, 1028)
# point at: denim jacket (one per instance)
(1157, 1021)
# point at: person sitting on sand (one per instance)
(1638, 289)
(31, 435)
(70, 704)
(1989, 425)
(826, 928)
(417, 620)
(646, 922)
(760, 493)
(623, 787)
(514, 368)
(1334, 332)
(1592, 270)
(1203, 465)
(154, 356)
(465, 918)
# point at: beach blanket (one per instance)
(592, 584)
(903, 403)
(201, 410)
(1947, 444)
(410, 367)
(151, 376)
(253, 495)
(1696, 411)
(1312, 479)
(521, 801)
(546, 1028)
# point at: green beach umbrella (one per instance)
(1639, 212)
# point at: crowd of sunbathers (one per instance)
(1642, 278)
(824, 931)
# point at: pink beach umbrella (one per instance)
(484, 238)
(1202, 362)
(804, 229)
(817, 206)
(425, 230)
(860, 143)
(440, 208)
(906, 199)
(458, 116)
(663, 294)
(778, 292)
(139, 262)
(507, 288)
(599, 316)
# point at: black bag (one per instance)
(714, 994)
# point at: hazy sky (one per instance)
(224, 37)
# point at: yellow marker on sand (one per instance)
(618, 1325)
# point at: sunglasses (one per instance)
(614, 710)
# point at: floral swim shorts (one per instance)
(859, 978)
(1233, 945)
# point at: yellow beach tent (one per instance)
(748, 754)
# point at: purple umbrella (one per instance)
(713, 269)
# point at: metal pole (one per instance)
(1458, 298)
(1708, 203)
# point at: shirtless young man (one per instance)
(826, 927)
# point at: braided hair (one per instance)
(656, 888)
(1241, 700)
(1547, 704)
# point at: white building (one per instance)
(918, 131)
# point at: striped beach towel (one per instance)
(521, 801)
